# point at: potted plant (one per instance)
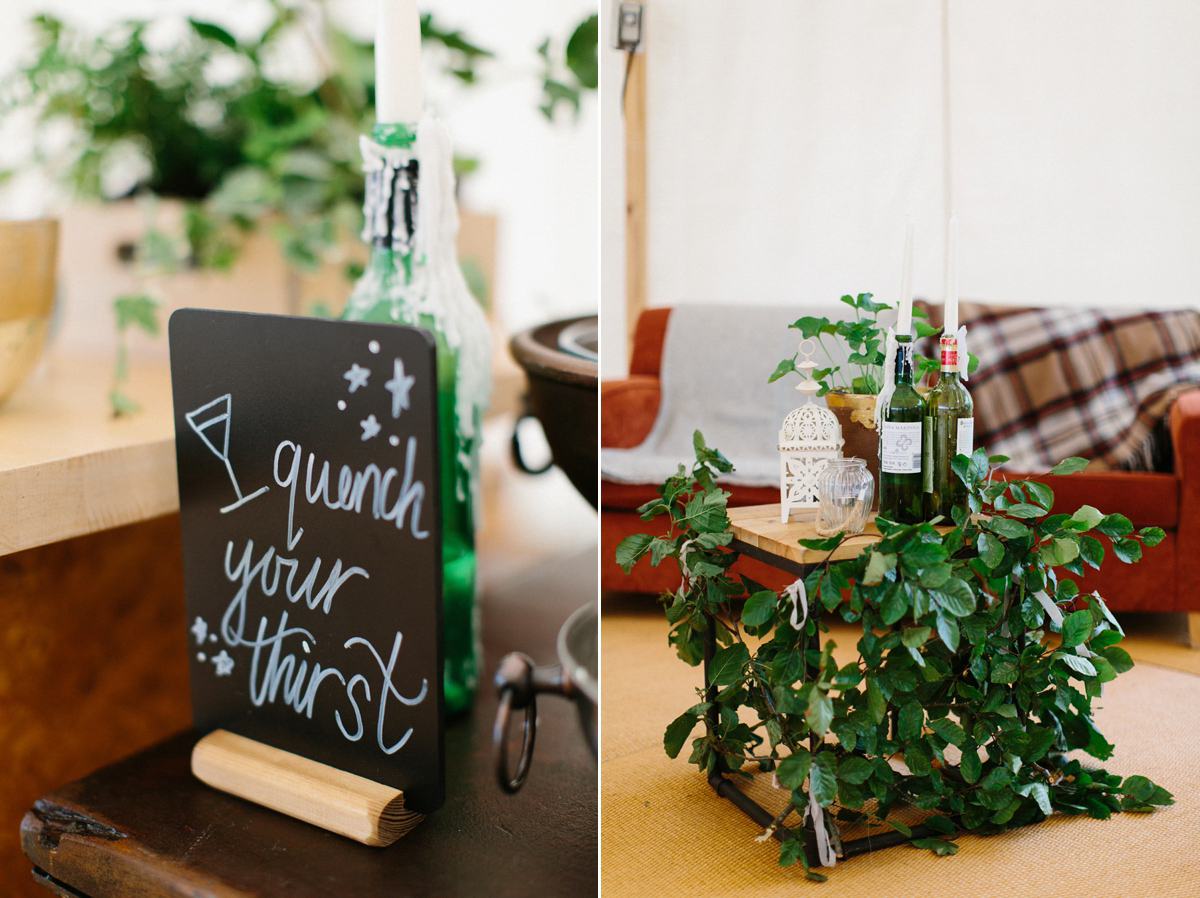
(977, 666)
(853, 380)
(213, 143)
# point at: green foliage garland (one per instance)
(957, 673)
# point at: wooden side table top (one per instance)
(758, 528)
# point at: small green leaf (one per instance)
(970, 767)
(940, 847)
(1025, 510)
(214, 32)
(787, 366)
(1152, 536)
(789, 851)
(631, 548)
(991, 550)
(1128, 550)
(1076, 628)
(681, 727)
(1088, 516)
(915, 637)
(912, 718)
(948, 730)
(854, 770)
(820, 712)
(759, 608)
(1005, 670)
(728, 664)
(1092, 550)
(822, 778)
(879, 565)
(1115, 526)
(947, 628)
(1071, 465)
(894, 606)
(138, 310)
(1081, 666)
(793, 770)
(876, 703)
(940, 823)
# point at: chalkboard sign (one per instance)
(308, 486)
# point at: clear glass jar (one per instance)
(845, 491)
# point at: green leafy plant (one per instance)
(859, 344)
(207, 120)
(977, 666)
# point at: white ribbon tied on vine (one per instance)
(825, 852)
(799, 597)
(890, 348)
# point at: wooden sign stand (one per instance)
(341, 802)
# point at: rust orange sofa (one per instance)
(1167, 579)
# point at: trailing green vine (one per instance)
(977, 666)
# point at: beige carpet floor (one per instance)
(664, 831)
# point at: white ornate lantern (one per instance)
(810, 437)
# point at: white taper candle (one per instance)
(904, 316)
(398, 62)
(951, 319)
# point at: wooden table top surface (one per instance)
(760, 527)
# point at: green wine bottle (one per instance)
(412, 277)
(901, 445)
(949, 431)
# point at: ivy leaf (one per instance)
(820, 712)
(1071, 465)
(1115, 526)
(991, 550)
(214, 32)
(1128, 550)
(789, 851)
(1005, 670)
(970, 767)
(949, 730)
(631, 548)
(947, 628)
(1007, 528)
(1088, 516)
(728, 664)
(1040, 793)
(1076, 628)
(940, 847)
(822, 778)
(893, 607)
(879, 564)
(1025, 510)
(793, 770)
(940, 823)
(915, 637)
(681, 727)
(759, 608)
(1092, 550)
(912, 718)
(138, 310)
(1152, 536)
(1041, 494)
(1080, 665)
(876, 703)
(955, 597)
(854, 770)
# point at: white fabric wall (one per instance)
(788, 142)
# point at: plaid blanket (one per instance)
(1057, 382)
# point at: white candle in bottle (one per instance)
(904, 316)
(950, 326)
(398, 62)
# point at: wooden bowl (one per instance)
(561, 364)
(28, 260)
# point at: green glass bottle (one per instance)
(949, 431)
(901, 445)
(413, 278)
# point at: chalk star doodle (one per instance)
(219, 414)
(357, 375)
(200, 629)
(399, 386)
(224, 664)
(370, 427)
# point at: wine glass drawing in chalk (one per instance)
(219, 413)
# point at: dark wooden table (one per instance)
(146, 827)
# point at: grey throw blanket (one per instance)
(715, 365)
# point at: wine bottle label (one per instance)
(927, 454)
(901, 447)
(949, 347)
(965, 437)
